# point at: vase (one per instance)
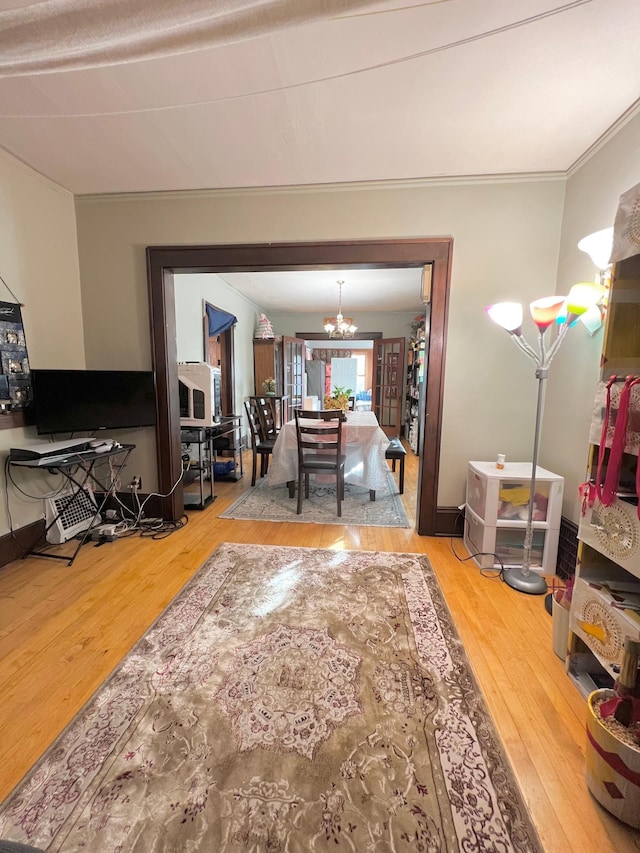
(613, 766)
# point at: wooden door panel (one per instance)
(388, 383)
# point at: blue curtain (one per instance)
(219, 321)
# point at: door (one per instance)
(164, 261)
(388, 383)
(293, 357)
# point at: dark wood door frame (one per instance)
(164, 261)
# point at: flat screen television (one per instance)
(90, 400)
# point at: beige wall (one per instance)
(506, 237)
(510, 237)
(392, 324)
(39, 262)
(191, 291)
(591, 201)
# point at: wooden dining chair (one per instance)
(319, 450)
(261, 445)
(268, 420)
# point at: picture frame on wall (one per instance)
(15, 376)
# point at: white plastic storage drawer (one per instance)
(506, 541)
(503, 494)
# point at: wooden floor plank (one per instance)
(63, 629)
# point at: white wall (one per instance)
(39, 262)
(591, 202)
(391, 324)
(506, 236)
(190, 291)
(506, 245)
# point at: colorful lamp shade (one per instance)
(545, 311)
(508, 315)
(583, 296)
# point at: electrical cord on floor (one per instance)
(156, 528)
(490, 574)
(150, 528)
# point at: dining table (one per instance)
(364, 444)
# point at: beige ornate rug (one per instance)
(288, 700)
(272, 503)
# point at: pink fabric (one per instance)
(612, 477)
(608, 708)
(603, 442)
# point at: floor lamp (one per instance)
(546, 312)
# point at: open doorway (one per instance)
(163, 262)
(218, 351)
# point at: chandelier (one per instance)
(339, 326)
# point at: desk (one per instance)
(74, 510)
(363, 443)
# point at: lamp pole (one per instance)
(545, 313)
(523, 579)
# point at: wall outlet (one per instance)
(136, 483)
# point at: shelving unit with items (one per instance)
(415, 383)
(605, 604)
(496, 515)
(197, 459)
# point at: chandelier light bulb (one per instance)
(340, 328)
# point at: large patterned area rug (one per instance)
(272, 503)
(288, 700)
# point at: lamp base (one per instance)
(531, 583)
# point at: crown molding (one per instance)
(606, 137)
(351, 186)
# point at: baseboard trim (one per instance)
(17, 544)
(449, 521)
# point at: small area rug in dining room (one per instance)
(288, 699)
(272, 503)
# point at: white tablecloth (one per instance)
(363, 443)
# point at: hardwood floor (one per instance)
(64, 629)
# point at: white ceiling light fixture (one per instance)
(339, 326)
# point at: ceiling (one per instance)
(317, 291)
(186, 95)
(190, 94)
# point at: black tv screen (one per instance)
(89, 400)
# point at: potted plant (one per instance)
(339, 399)
(269, 386)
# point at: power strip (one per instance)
(104, 531)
